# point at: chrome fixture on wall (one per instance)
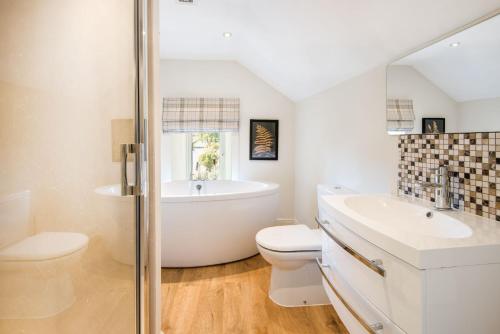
(441, 186)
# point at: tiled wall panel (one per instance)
(474, 163)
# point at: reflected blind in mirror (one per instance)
(400, 115)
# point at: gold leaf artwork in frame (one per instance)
(263, 140)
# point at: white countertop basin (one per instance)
(407, 217)
(415, 232)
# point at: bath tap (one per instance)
(196, 175)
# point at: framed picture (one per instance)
(264, 139)
(433, 125)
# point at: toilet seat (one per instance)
(289, 238)
(44, 246)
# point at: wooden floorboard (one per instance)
(232, 299)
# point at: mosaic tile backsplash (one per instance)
(474, 163)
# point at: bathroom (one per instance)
(193, 166)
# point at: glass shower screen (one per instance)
(70, 97)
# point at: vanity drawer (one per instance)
(357, 314)
(394, 287)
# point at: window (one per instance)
(200, 138)
(199, 156)
(205, 156)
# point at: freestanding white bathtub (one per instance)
(216, 224)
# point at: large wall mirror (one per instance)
(452, 85)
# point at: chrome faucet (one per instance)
(198, 179)
(198, 175)
(441, 187)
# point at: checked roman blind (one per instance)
(187, 114)
(400, 115)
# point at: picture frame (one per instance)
(264, 139)
(433, 125)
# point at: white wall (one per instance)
(428, 99)
(174, 165)
(187, 78)
(341, 138)
(479, 115)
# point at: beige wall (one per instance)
(153, 280)
(184, 78)
(66, 70)
(341, 138)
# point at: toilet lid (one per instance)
(44, 246)
(289, 238)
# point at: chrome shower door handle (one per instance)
(128, 189)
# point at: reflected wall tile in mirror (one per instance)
(474, 163)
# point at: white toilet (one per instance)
(292, 251)
(35, 269)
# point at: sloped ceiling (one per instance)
(302, 47)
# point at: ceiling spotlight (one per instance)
(454, 44)
(227, 34)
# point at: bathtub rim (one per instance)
(270, 189)
(112, 191)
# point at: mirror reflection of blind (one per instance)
(201, 114)
(400, 115)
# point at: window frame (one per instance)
(222, 153)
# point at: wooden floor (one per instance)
(232, 299)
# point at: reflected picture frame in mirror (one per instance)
(433, 125)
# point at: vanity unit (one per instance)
(396, 265)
